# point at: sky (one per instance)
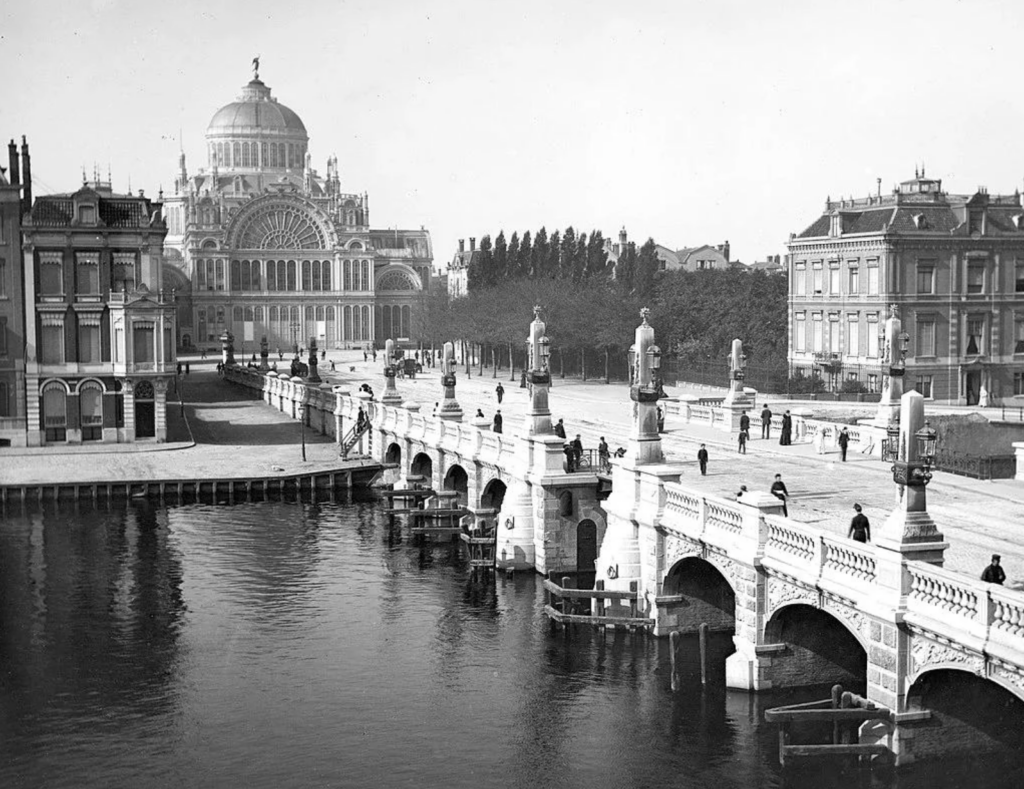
(689, 122)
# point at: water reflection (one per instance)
(286, 643)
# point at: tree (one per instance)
(625, 268)
(567, 254)
(486, 263)
(646, 271)
(512, 258)
(526, 256)
(500, 256)
(596, 266)
(540, 254)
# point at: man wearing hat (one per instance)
(860, 528)
(994, 573)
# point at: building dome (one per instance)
(256, 132)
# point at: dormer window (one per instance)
(835, 224)
(1018, 221)
(87, 214)
(920, 222)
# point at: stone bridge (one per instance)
(804, 607)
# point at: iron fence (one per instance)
(977, 466)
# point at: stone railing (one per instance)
(788, 542)
(847, 560)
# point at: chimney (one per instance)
(725, 250)
(26, 172)
(472, 244)
(12, 155)
(462, 245)
(622, 238)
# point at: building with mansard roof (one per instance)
(261, 245)
(952, 267)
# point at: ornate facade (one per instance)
(99, 332)
(953, 266)
(261, 245)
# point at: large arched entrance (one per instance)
(458, 480)
(970, 715)
(819, 650)
(696, 593)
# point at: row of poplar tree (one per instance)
(564, 255)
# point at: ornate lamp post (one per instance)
(313, 376)
(295, 333)
(391, 395)
(909, 528)
(450, 408)
(645, 356)
(264, 353)
(538, 346)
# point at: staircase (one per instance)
(353, 436)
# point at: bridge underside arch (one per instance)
(457, 479)
(970, 715)
(696, 592)
(393, 453)
(493, 495)
(422, 465)
(818, 650)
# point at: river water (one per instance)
(295, 644)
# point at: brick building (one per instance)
(951, 265)
(99, 331)
(12, 306)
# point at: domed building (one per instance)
(260, 244)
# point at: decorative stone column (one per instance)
(264, 353)
(450, 408)
(227, 348)
(736, 400)
(313, 376)
(391, 395)
(892, 352)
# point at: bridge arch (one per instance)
(423, 466)
(494, 494)
(457, 479)
(819, 649)
(701, 593)
(970, 714)
(393, 453)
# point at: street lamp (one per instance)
(917, 473)
(898, 363)
(545, 352)
(927, 440)
(302, 428)
(295, 331)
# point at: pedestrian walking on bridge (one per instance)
(560, 429)
(498, 420)
(766, 422)
(500, 391)
(778, 490)
(994, 573)
(860, 527)
(702, 458)
(844, 442)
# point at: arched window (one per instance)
(384, 323)
(406, 321)
(246, 275)
(330, 314)
(258, 314)
(348, 324)
(90, 405)
(271, 275)
(236, 314)
(366, 323)
(367, 281)
(245, 154)
(306, 284)
(319, 313)
(291, 156)
(235, 159)
(357, 324)
(315, 266)
(310, 314)
(295, 314)
(55, 413)
(325, 282)
(236, 275)
(273, 315)
(248, 314)
(291, 275)
(281, 161)
(5, 403)
(263, 155)
(256, 266)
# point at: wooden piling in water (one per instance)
(673, 640)
(702, 637)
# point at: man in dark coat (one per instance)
(745, 423)
(500, 391)
(844, 442)
(577, 450)
(994, 573)
(860, 527)
(766, 422)
(497, 421)
(702, 458)
(778, 490)
(560, 429)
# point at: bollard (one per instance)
(702, 633)
(837, 693)
(599, 603)
(673, 640)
